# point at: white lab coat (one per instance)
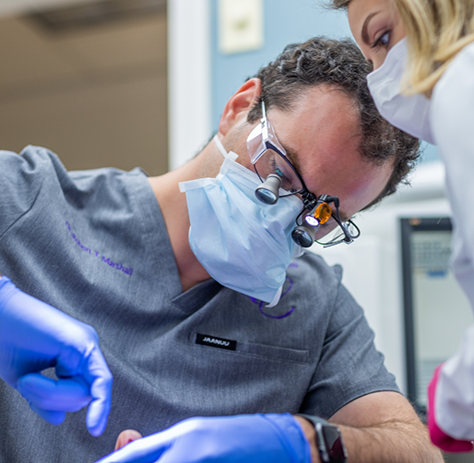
(452, 124)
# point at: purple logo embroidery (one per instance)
(106, 260)
(260, 303)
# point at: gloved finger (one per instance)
(50, 416)
(145, 450)
(64, 395)
(75, 356)
(101, 392)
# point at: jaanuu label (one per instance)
(212, 341)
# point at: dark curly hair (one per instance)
(339, 63)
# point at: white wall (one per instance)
(189, 77)
(372, 265)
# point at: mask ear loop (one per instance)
(220, 146)
(276, 298)
(227, 155)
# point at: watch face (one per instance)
(334, 446)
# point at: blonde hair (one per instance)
(436, 31)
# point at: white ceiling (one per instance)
(15, 7)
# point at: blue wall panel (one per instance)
(285, 21)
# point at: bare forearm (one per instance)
(391, 442)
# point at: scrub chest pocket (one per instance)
(249, 348)
(247, 377)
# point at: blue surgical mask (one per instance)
(242, 243)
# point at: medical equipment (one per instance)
(242, 243)
(280, 179)
(429, 287)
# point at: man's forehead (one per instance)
(322, 136)
(346, 174)
(293, 157)
(324, 110)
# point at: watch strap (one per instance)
(314, 419)
(326, 454)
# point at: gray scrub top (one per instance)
(94, 245)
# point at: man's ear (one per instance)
(240, 104)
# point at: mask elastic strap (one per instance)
(219, 144)
(276, 299)
(227, 155)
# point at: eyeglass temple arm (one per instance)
(264, 123)
(337, 217)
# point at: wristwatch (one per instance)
(329, 440)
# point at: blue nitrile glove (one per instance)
(232, 439)
(35, 336)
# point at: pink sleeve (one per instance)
(437, 435)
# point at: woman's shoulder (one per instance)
(458, 77)
(452, 101)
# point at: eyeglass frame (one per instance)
(310, 200)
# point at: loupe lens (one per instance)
(267, 192)
(272, 163)
(302, 236)
(266, 196)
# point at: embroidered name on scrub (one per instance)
(106, 260)
(212, 341)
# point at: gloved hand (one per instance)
(35, 336)
(437, 435)
(233, 439)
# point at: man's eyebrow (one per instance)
(365, 34)
(292, 156)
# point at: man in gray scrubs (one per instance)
(189, 280)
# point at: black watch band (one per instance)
(329, 440)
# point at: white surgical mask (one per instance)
(242, 243)
(408, 113)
